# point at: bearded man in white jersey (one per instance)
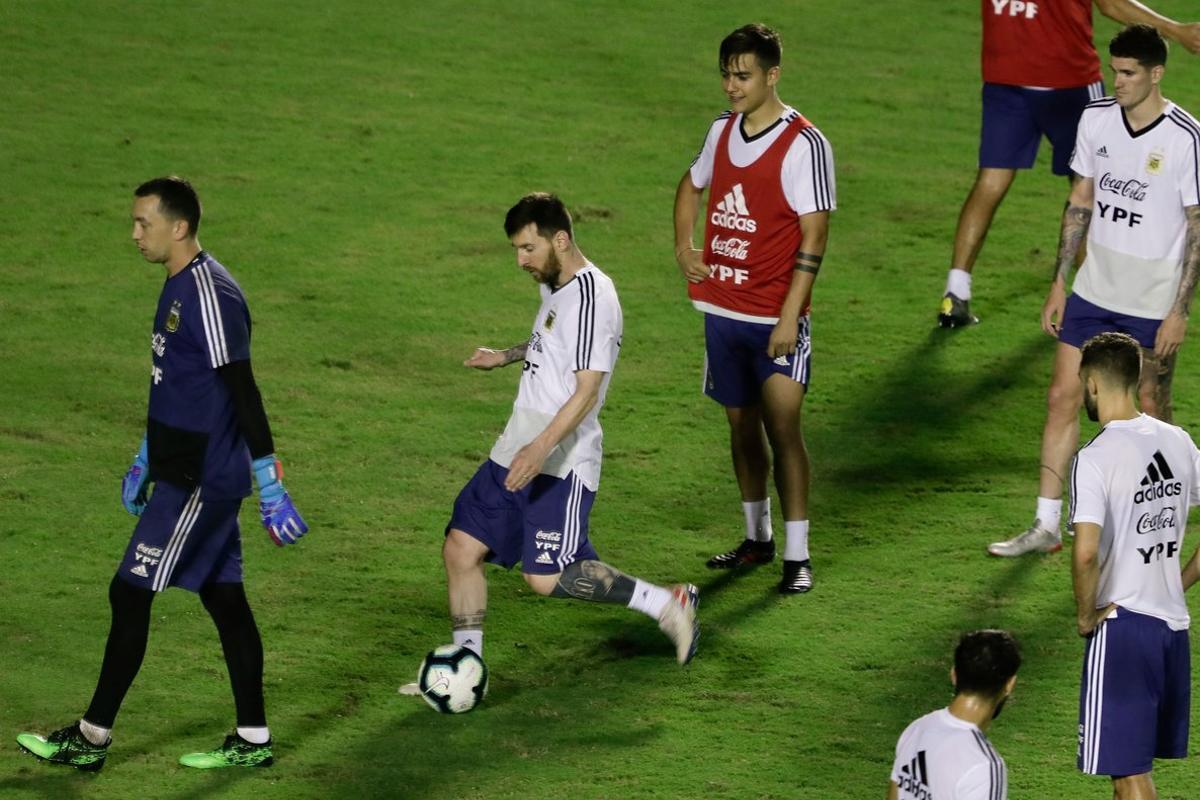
(529, 502)
(1131, 488)
(946, 754)
(1138, 203)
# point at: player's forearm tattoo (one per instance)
(1074, 229)
(594, 580)
(471, 621)
(1191, 264)
(515, 353)
(807, 262)
(1163, 370)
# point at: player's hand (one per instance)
(136, 482)
(783, 338)
(1052, 309)
(525, 466)
(279, 515)
(691, 264)
(1189, 36)
(1170, 335)
(485, 358)
(1089, 621)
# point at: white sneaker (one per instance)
(678, 621)
(1035, 540)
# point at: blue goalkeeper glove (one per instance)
(279, 516)
(136, 482)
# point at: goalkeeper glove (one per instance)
(136, 482)
(279, 516)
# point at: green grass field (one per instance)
(355, 161)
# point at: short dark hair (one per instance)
(1141, 42)
(176, 199)
(984, 661)
(755, 38)
(542, 209)
(1116, 355)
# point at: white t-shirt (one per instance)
(807, 172)
(1143, 182)
(942, 757)
(1136, 480)
(577, 328)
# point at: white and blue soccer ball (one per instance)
(453, 679)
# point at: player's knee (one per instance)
(460, 551)
(1064, 399)
(542, 584)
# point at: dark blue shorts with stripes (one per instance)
(737, 364)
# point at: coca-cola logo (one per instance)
(1164, 519)
(1124, 187)
(732, 247)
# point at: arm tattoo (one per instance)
(594, 580)
(1191, 263)
(515, 353)
(471, 621)
(1074, 229)
(807, 262)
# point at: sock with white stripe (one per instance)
(796, 548)
(1049, 512)
(958, 283)
(255, 734)
(123, 653)
(758, 519)
(470, 638)
(649, 599)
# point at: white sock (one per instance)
(472, 639)
(648, 598)
(94, 733)
(255, 735)
(796, 548)
(958, 283)
(758, 520)
(1049, 512)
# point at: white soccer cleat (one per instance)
(678, 621)
(1035, 540)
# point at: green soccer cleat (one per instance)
(235, 752)
(66, 746)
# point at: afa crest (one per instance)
(1154, 163)
(173, 316)
(550, 320)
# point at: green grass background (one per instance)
(355, 160)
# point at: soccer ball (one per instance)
(453, 679)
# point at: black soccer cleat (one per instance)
(797, 577)
(955, 313)
(747, 554)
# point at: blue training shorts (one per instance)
(1082, 320)
(184, 540)
(1135, 695)
(544, 526)
(736, 364)
(1016, 118)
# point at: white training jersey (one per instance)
(1143, 181)
(942, 757)
(577, 328)
(1136, 480)
(807, 172)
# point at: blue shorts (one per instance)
(1134, 697)
(736, 364)
(1082, 320)
(183, 540)
(1014, 120)
(544, 526)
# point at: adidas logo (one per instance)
(544, 558)
(1159, 481)
(140, 571)
(914, 778)
(1102, 152)
(732, 212)
(782, 360)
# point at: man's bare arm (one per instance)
(1131, 12)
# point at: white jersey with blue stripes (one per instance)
(942, 757)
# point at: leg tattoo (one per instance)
(472, 621)
(594, 580)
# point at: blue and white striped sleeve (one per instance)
(808, 177)
(224, 319)
(599, 325)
